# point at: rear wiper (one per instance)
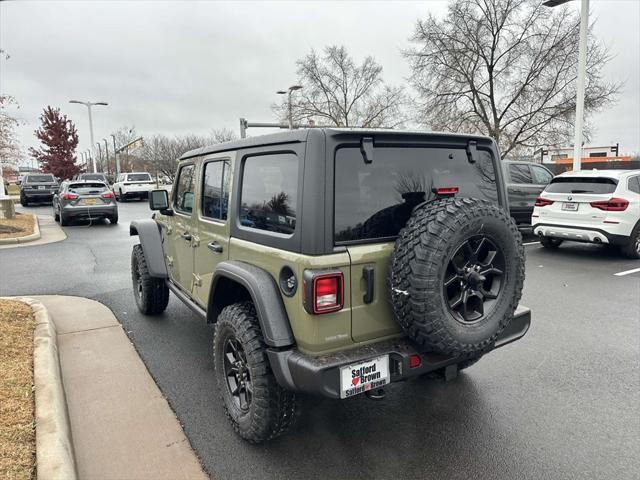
(580, 191)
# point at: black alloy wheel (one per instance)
(137, 280)
(473, 279)
(237, 374)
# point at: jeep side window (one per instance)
(270, 192)
(215, 190)
(183, 198)
(520, 173)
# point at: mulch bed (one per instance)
(17, 427)
(20, 226)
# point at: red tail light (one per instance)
(69, 196)
(543, 202)
(414, 361)
(107, 195)
(327, 293)
(447, 190)
(611, 205)
(323, 291)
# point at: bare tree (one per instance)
(125, 135)
(505, 68)
(10, 152)
(338, 92)
(221, 135)
(160, 153)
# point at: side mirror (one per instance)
(159, 200)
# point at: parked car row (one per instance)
(41, 187)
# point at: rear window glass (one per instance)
(270, 192)
(138, 177)
(87, 188)
(374, 201)
(40, 178)
(582, 185)
(93, 176)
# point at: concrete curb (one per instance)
(27, 238)
(54, 447)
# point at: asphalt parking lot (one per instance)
(561, 403)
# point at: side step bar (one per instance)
(186, 299)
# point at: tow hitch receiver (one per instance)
(376, 394)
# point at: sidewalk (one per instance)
(121, 425)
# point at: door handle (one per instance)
(367, 274)
(215, 247)
(186, 236)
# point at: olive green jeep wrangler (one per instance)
(335, 262)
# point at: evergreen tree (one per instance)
(60, 139)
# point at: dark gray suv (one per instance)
(525, 182)
(37, 187)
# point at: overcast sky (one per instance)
(188, 67)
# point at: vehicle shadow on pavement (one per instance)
(584, 252)
(418, 428)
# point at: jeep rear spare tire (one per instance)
(456, 275)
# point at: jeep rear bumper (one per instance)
(321, 375)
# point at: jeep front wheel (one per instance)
(151, 293)
(257, 406)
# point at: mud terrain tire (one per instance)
(151, 294)
(456, 275)
(268, 409)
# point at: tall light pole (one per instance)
(89, 105)
(89, 157)
(106, 155)
(289, 91)
(100, 157)
(115, 155)
(582, 67)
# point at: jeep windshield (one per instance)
(373, 201)
(40, 179)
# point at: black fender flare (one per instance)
(266, 297)
(151, 240)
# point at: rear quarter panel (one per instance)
(313, 333)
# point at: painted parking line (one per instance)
(532, 243)
(627, 272)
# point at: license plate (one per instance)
(361, 377)
(41, 187)
(571, 206)
(89, 201)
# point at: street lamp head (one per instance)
(281, 92)
(75, 101)
(295, 87)
(101, 103)
(554, 3)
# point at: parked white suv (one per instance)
(133, 185)
(596, 206)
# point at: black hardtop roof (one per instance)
(300, 135)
